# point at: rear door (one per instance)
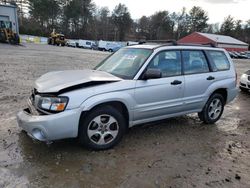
(156, 98)
(198, 77)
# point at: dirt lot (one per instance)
(178, 152)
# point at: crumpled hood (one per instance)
(53, 82)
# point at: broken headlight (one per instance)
(53, 104)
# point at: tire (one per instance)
(244, 89)
(213, 109)
(49, 41)
(16, 39)
(96, 132)
(11, 41)
(3, 38)
(52, 41)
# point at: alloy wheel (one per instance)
(215, 108)
(103, 129)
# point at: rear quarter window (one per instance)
(220, 60)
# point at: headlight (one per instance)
(244, 76)
(53, 104)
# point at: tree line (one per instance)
(83, 19)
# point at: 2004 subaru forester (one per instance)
(135, 85)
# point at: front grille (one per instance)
(32, 98)
(32, 109)
(244, 85)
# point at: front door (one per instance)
(156, 98)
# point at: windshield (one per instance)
(125, 63)
(5, 25)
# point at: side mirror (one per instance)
(152, 74)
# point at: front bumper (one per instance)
(245, 82)
(50, 127)
(245, 85)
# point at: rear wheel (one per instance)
(49, 41)
(3, 37)
(52, 41)
(213, 109)
(16, 39)
(101, 128)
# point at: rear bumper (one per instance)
(232, 93)
(50, 127)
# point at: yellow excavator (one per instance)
(56, 39)
(7, 34)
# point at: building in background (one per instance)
(222, 41)
(9, 13)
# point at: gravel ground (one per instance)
(177, 152)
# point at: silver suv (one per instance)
(135, 85)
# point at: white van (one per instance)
(85, 44)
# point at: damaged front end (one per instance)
(48, 115)
(45, 104)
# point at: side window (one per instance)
(194, 62)
(220, 60)
(169, 62)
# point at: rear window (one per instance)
(194, 62)
(220, 60)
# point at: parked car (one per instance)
(135, 85)
(240, 55)
(113, 47)
(248, 54)
(110, 46)
(102, 45)
(85, 44)
(94, 46)
(131, 43)
(233, 55)
(71, 43)
(245, 81)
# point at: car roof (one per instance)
(145, 46)
(178, 46)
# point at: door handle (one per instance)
(176, 82)
(210, 78)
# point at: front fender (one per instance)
(124, 97)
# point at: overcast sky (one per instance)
(217, 9)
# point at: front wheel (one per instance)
(213, 109)
(101, 128)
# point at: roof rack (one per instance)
(195, 44)
(163, 42)
(174, 43)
